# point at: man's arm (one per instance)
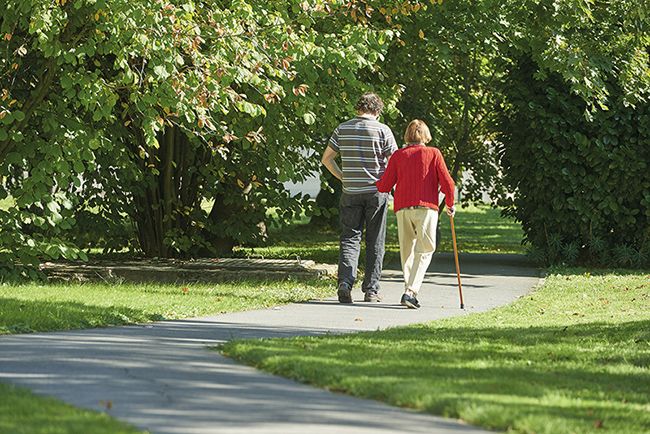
(328, 161)
(390, 144)
(389, 178)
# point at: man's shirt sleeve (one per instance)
(390, 144)
(334, 140)
(389, 178)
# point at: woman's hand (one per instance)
(451, 211)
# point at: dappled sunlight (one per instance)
(29, 308)
(566, 356)
(169, 380)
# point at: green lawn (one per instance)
(32, 307)
(479, 229)
(22, 412)
(573, 357)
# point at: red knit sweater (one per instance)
(419, 172)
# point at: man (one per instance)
(365, 145)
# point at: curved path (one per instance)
(163, 378)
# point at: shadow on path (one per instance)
(161, 376)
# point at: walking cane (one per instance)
(453, 237)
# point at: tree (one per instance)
(449, 59)
(574, 140)
(178, 121)
(145, 110)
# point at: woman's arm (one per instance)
(447, 185)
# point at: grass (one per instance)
(22, 412)
(572, 357)
(37, 308)
(479, 229)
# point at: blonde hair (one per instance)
(417, 132)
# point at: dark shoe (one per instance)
(345, 294)
(410, 301)
(372, 297)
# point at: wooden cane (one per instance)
(453, 237)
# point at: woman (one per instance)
(420, 173)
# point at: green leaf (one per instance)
(66, 82)
(53, 252)
(161, 72)
(53, 207)
(309, 118)
(78, 166)
(94, 143)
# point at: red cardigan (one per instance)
(419, 172)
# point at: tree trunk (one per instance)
(222, 245)
(226, 211)
(31, 104)
(169, 191)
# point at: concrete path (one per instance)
(161, 377)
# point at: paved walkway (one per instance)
(161, 377)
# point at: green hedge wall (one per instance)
(581, 187)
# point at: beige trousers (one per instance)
(416, 228)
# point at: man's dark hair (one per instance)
(369, 103)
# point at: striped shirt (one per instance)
(365, 145)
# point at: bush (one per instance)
(581, 186)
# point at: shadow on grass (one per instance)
(23, 412)
(27, 316)
(530, 378)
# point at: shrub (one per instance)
(581, 186)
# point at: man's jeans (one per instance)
(357, 211)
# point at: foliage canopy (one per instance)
(169, 127)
